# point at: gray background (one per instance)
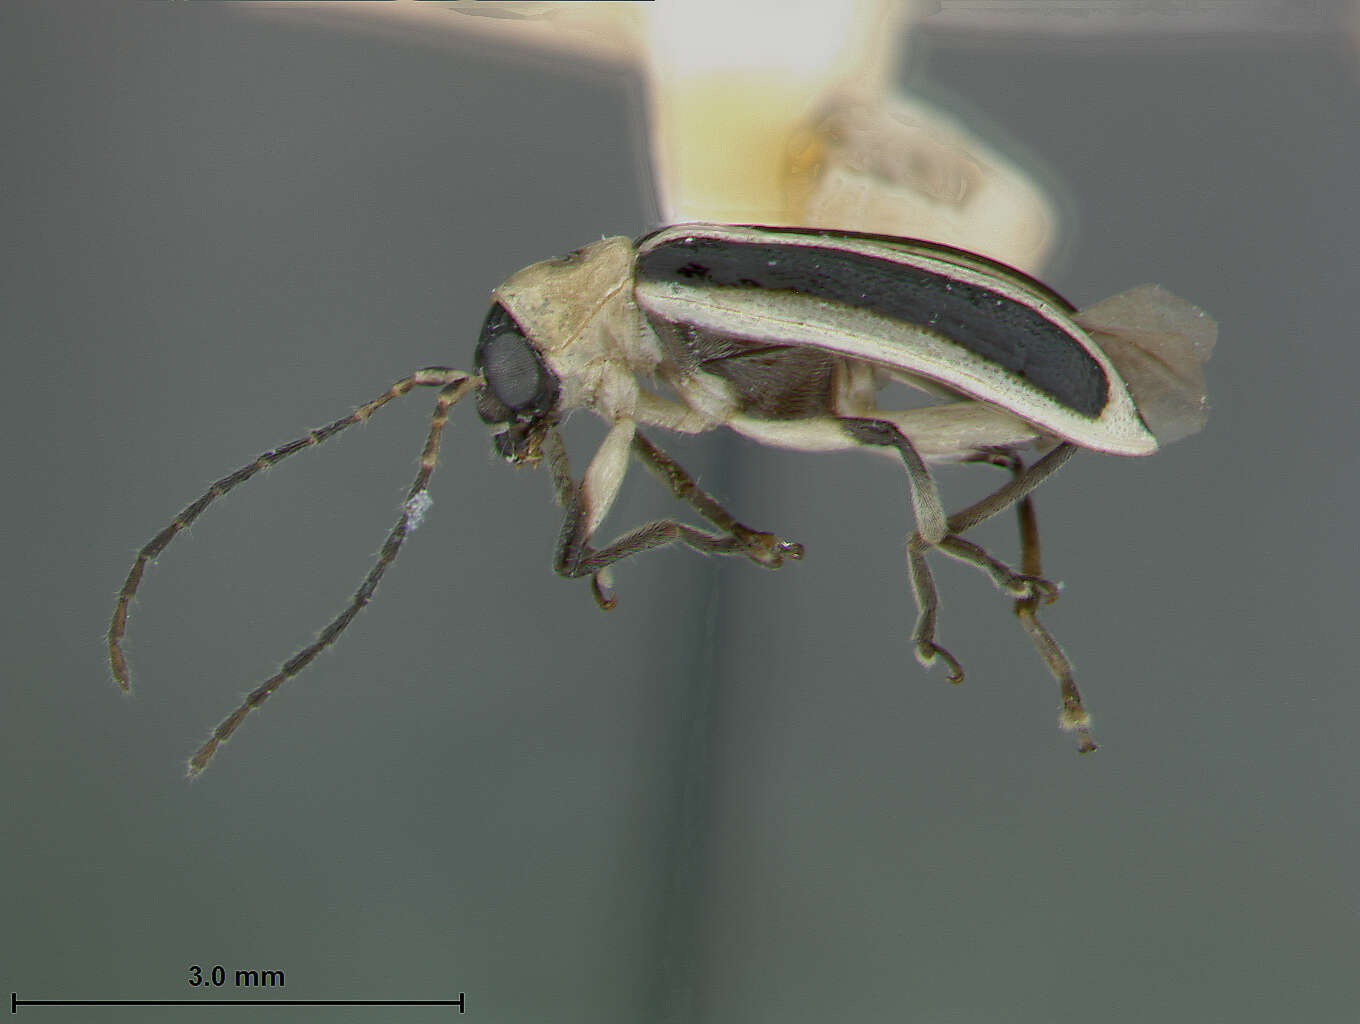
(736, 798)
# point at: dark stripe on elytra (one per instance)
(995, 327)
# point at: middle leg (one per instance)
(1027, 586)
(934, 529)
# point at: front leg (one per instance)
(765, 549)
(584, 507)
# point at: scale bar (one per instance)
(15, 1002)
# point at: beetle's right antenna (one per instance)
(453, 384)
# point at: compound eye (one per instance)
(514, 372)
(511, 368)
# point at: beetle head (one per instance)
(518, 390)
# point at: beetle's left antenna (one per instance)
(453, 384)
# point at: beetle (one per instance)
(786, 336)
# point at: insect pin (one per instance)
(786, 336)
